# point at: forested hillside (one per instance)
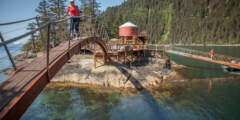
(180, 21)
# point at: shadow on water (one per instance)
(155, 108)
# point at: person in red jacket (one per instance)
(212, 54)
(73, 9)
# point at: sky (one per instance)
(11, 10)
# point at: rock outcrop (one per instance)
(144, 74)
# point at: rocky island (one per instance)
(147, 72)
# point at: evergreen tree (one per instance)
(43, 11)
(90, 8)
(58, 8)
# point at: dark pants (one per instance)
(75, 25)
(168, 64)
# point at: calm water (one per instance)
(14, 49)
(188, 99)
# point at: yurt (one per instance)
(128, 33)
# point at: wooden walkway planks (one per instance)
(214, 61)
(13, 87)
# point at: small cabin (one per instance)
(128, 33)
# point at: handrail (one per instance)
(19, 21)
(25, 20)
(24, 35)
(37, 29)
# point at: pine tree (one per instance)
(90, 8)
(57, 8)
(43, 11)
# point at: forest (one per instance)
(167, 21)
(179, 21)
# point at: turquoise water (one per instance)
(188, 101)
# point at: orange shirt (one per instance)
(73, 10)
(212, 52)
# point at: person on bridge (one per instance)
(74, 12)
(212, 53)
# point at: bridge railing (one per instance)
(98, 30)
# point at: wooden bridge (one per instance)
(21, 88)
(219, 59)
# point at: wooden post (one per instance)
(117, 57)
(104, 59)
(47, 50)
(144, 50)
(85, 49)
(132, 56)
(156, 52)
(94, 54)
(125, 57)
(71, 34)
(8, 53)
(163, 51)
